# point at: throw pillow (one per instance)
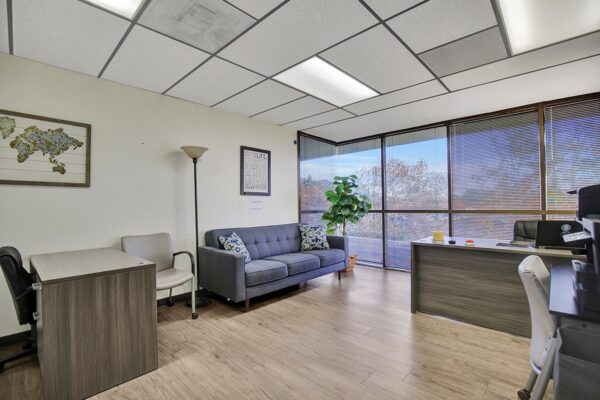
(313, 237)
(235, 243)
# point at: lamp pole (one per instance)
(195, 153)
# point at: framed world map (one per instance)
(44, 151)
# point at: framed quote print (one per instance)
(43, 151)
(255, 172)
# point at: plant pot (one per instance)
(351, 263)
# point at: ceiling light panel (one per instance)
(472, 51)
(214, 81)
(566, 80)
(378, 59)
(296, 31)
(206, 24)
(297, 109)
(126, 8)
(3, 27)
(323, 80)
(574, 49)
(265, 95)
(535, 23)
(136, 63)
(256, 8)
(413, 93)
(67, 34)
(321, 119)
(441, 21)
(387, 8)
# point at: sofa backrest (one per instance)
(261, 241)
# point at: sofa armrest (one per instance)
(339, 242)
(222, 272)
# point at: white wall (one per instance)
(140, 181)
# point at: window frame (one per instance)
(543, 211)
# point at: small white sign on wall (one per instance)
(256, 204)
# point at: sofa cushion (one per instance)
(261, 241)
(297, 263)
(235, 243)
(329, 256)
(263, 271)
(313, 237)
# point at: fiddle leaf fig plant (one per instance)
(347, 206)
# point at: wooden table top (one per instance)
(492, 245)
(54, 267)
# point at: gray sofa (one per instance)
(277, 261)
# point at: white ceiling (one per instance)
(430, 60)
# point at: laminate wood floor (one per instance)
(352, 339)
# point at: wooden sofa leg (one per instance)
(247, 305)
(339, 275)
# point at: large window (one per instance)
(472, 178)
(572, 151)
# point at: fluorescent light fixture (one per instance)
(126, 8)
(323, 80)
(531, 24)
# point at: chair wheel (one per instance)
(194, 315)
(170, 303)
(524, 394)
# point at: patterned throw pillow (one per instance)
(235, 243)
(313, 237)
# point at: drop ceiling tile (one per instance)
(206, 24)
(297, 109)
(265, 95)
(473, 51)
(413, 93)
(3, 27)
(136, 63)
(67, 34)
(325, 118)
(579, 77)
(379, 60)
(441, 21)
(214, 81)
(256, 8)
(295, 32)
(387, 8)
(574, 49)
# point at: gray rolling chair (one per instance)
(158, 248)
(536, 280)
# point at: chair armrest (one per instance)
(339, 242)
(189, 255)
(222, 272)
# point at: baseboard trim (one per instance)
(15, 338)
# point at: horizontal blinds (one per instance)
(572, 151)
(495, 163)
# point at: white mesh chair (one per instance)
(536, 280)
(158, 248)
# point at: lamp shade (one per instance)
(194, 151)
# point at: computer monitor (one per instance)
(550, 234)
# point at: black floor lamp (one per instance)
(195, 153)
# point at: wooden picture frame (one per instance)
(24, 161)
(255, 171)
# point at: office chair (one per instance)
(536, 280)
(158, 248)
(525, 231)
(20, 285)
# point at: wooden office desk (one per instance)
(98, 320)
(477, 284)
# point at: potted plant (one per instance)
(347, 206)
